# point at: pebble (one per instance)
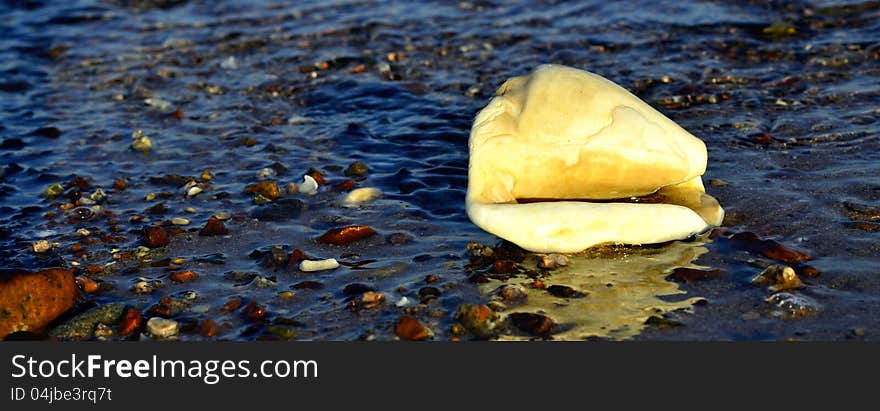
(403, 302)
(179, 221)
(480, 320)
(266, 173)
(357, 169)
(183, 276)
(83, 232)
(371, 299)
(552, 261)
(82, 326)
(361, 195)
(41, 246)
(564, 291)
(411, 329)
(512, 294)
(535, 324)
(345, 235)
(30, 301)
(140, 141)
(131, 322)
(479, 250)
(162, 328)
(141, 287)
(308, 186)
(778, 278)
(193, 191)
(98, 195)
(214, 226)
(154, 237)
(794, 305)
(267, 189)
(318, 265)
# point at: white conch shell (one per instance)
(565, 134)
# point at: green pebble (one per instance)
(83, 326)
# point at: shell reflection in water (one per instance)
(624, 287)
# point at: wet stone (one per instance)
(512, 294)
(429, 293)
(794, 305)
(267, 189)
(213, 227)
(778, 278)
(345, 235)
(479, 320)
(131, 322)
(564, 291)
(154, 237)
(83, 325)
(552, 261)
(411, 329)
(30, 301)
(162, 328)
(357, 169)
(534, 324)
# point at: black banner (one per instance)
(384, 375)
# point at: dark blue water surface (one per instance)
(785, 94)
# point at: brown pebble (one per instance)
(86, 284)
(119, 184)
(345, 235)
(318, 175)
(268, 189)
(208, 328)
(779, 253)
(345, 185)
(431, 279)
(213, 227)
(232, 304)
(30, 301)
(296, 256)
(155, 237)
(131, 321)
(176, 114)
(535, 324)
(410, 329)
(183, 276)
(474, 316)
(503, 267)
(254, 311)
(371, 299)
(564, 291)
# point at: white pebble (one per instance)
(140, 141)
(318, 265)
(83, 232)
(158, 103)
(229, 63)
(361, 195)
(193, 191)
(179, 221)
(98, 195)
(309, 186)
(162, 328)
(141, 287)
(265, 172)
(402, 302)
(41, 246)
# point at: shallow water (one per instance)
(786, 96)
